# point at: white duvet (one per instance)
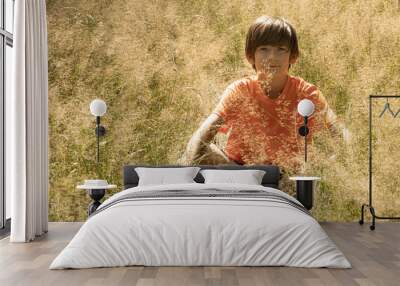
(200, 231)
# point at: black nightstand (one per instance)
(305, 190)
(96, 193)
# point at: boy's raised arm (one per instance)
(199, 150)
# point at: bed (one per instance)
(201, 224)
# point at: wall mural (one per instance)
(183, 85)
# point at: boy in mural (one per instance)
(259, 113)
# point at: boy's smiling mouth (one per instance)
(272, 66)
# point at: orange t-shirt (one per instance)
(262, 130)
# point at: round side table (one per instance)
(96, 193)
(305, 189)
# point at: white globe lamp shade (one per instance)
(305, 107)
(98, 107)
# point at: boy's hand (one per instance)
(212, 155)
(332, 158)
(347, 137)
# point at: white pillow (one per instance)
(249, 177)
(161, 176)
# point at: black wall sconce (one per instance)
(98, 108)
(306, 109)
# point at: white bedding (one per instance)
(200, 231)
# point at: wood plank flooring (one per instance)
(375, 257)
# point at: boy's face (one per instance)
(273, 60)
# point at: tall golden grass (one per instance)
(161, 66)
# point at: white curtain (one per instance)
(27, 120)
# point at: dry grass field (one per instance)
(161, 66)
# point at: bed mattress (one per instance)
(201, 225)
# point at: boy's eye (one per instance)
(281, 49)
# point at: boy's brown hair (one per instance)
(271, 31)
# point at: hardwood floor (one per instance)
(374, 255)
